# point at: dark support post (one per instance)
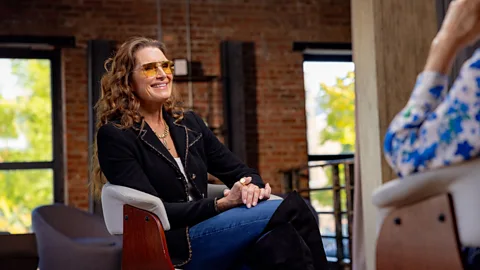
(337, 208)
(98, 52)
(58, 127)
(349, 185)
(239, 99)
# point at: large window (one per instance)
(330, 110)
(31, 172)
(330, 107)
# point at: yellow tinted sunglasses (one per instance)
(151, 69)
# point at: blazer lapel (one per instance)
(152, 141)
(182, 137)
(179, 134)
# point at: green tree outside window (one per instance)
(338, 103)
(29, 116)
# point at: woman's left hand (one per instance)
(251, 193)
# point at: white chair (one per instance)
(426, 218)
(141, 219)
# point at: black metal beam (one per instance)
(26, 165)
(330, 157)
(301, 46)
(327, 58)
(24, 53)
(205, 78)
(334, 237)
(55, 41)
(330, 212)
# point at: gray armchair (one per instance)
(68, 238)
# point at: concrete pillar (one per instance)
(391, 39)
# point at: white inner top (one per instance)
(180, 165)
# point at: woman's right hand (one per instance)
(461, 25)
(233, 197)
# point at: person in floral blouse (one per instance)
(439, 126)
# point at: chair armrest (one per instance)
(461, 181)
(423, 185)
(114, 197)
(215, 190)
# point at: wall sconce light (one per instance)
(181, 67)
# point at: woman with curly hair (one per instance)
(148, 143)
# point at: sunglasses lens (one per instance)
(167, 67)
(150, 69)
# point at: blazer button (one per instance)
(194, 176)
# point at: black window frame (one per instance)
(333, 52)
(58, 159)
(325, 52)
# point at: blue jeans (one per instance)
(218, 242)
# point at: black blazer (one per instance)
(136, 158)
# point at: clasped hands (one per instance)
(247, 193)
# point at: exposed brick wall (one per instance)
(272, 24)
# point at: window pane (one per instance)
(21, 191)
(322, 200)
(341, 174)
(343, 200)
(322, 176)
(319, 176)
(330, 104)
(25, 110)
(346, 250)
(345, 225)
(327, 224)
(330, 246)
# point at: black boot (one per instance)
(280, 249)
(295, 211)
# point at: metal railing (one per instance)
(339, 170)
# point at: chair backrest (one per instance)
(461, 181)
(67, 220)
(114, 197)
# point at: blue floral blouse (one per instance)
(437, 127)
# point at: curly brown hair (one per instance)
(119, 102)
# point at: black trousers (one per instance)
(291, 239)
